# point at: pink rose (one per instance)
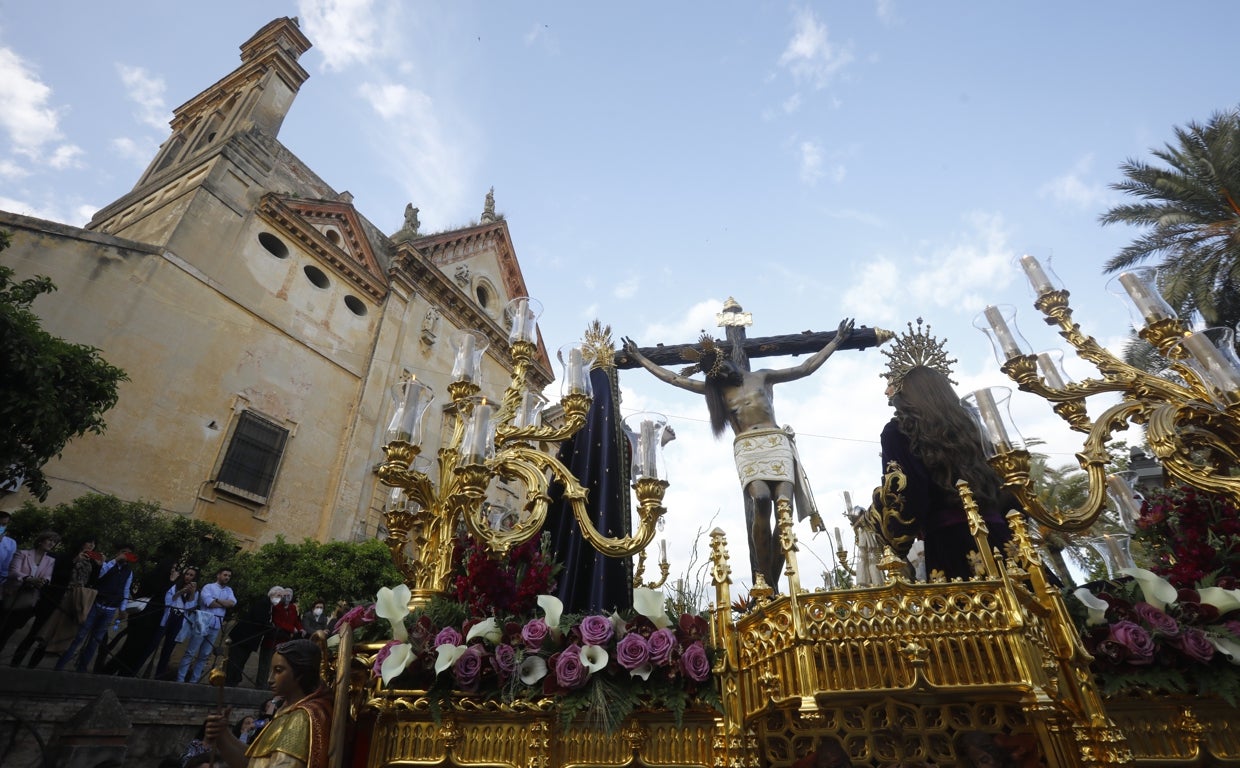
(662, 643)
(569, 671)
(695, 663)
(468, 669)
(447, 636)
(1195, 645)
(504, 661)
(1135, 641)
(534, 633)
(596, 630)
(632, 651)
(1157, 620)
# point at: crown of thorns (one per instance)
(916, 348)
(707, 356)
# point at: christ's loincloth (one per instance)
(771, 455)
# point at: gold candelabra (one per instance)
(1191, 414)
(489, 444)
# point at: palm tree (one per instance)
(1191, 212)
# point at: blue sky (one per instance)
(884, 160)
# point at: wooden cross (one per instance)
(733, 321)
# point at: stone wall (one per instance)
(69, 720)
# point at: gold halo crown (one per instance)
(598, 347)
(708, 356)
(917, 347)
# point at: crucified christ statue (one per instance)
(765, 453)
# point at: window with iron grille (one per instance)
(253, 457)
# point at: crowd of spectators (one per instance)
(109, 616)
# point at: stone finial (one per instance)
(410, 229)
(488, 208)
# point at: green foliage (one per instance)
(51, 391)
(337, 570)
(1189, 210)
(155, 535)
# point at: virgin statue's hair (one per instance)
(305, 659)
(943, 434)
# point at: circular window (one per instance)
(484, 296)
(274, 245)
(333, 236)
(355, 305)
(316, 276)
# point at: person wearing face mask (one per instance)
(316, 619)
(285, 626)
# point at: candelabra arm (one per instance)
(576, 406)
(1013, 468)
(1196, 443)
(522, 356)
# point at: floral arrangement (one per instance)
(486, 584)
(599, 668)
(1148, 636)
(1192, 536)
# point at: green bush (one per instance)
(337, 570)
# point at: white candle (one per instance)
(648, 450)
(1050, 371)
(838, 538)
(1147, 301)
(1038, 278)
(1216, 368)
(520, 321)
(662, 551)
(475, 448)
(991, 419)
(463, 369)
(573, 370)
(1007, 341)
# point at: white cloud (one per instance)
(147, 92)
(138, 152)
(430, 159)
(1073, 187)
(27, 118)
(699, 317)
(792, 103)
(344, 32)
(886, 10)
(65, 156)
(11, 171)
(958, 273)
(870, 295)
(811, 162)
(810, 56)
(627, 289)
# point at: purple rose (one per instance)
(694, 662)
(447, 636)
(569, 670)
(504, 661)
(662, 643)
(1196, 646)
(632, 651)
(1157, 620)
(534, 633)
(596, 630)
(1135, 640)
(1233, 627)
(468, 669)
(382, 655)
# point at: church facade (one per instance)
(261, 318)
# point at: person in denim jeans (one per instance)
(113, 585)
(214, 600)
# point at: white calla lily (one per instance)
(643, 671)
(533, 669)
(1228, 647)
(488, 629)
(1096, 605)
(1225, 600)
(447, 654)
(618, 626)
(393, 605)
(1157, 591)
(593, 657)
(649, 603)
(398, 658)
(333, 642)
(553, 608)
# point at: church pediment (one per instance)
(450, 250)
(333, 231)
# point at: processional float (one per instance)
(900, 673)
